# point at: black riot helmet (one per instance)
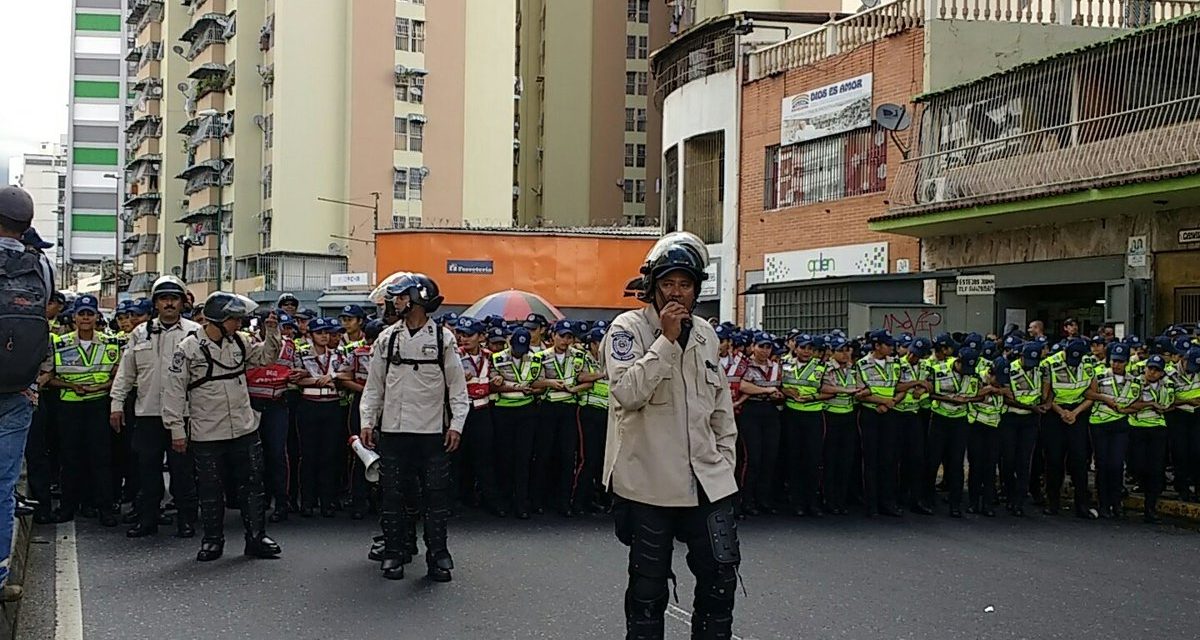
(421, 290)
(679, 251)
(220, 306)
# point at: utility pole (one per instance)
(375, 215)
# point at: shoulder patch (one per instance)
(622, 346)
(177, 362)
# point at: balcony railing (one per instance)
(202, 270)
(149, 53)
(1118, 112)
(140, 244)
(141, 130)
(712, 54)
(290, 272)
(892, 17)
(141, 282)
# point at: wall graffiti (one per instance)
(925, 323)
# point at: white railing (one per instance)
(896, 16)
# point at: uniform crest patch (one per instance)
(622, 346)
(177, 362)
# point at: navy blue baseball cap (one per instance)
(1000, 370)
(921, 347)
(86, 303)
(882, 336)
(973, 341)
(285, 320)
(762, 338)
(1076, 349)
(601, 325)
(305, 314)
(468, 326)
(969, 358)
(1012, 342)
(1098, 339)
(122, 308)
(1118, 352)
(320, 325)
(141, 307)
(988, 351)
(820, 342)
(723, 333)
(519, 341)
(804, 340)
(497, 334)
(1133, 341)
(352, 311)
(1182, 345)
(1191, 360)
(838, 342)
(372, 329)
(33, 239)
(945, 340)
(595, 335)
(564, 327)
(1031, 353)
(1156, 362)
(536, 321)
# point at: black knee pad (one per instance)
(647, 588)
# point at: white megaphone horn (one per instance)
(370, 459)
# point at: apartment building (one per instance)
(95, 138)
(581, 157)
(44, 175)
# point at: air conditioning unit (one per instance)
(933, 190)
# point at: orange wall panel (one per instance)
(568, 271)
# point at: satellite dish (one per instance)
(261, 122)
(893, 117)
(869, 4)
(176, 271)
(335, 248)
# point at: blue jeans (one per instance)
(16, 412)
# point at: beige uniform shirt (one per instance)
(219, 409)
(408, 398)
(670, 416)
(147, 355)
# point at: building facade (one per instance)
(44, 175)
(98, 95)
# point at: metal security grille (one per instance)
(704, 185)
(809, 309)
(1187, 305)
(709, 54)
(841, 166)
(670, 189)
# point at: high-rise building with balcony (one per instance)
(95, 137)
(43, 175)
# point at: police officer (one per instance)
(479, 433)
(321, 421)
(803, 425)
(353, 378)
(417, 385)
(983, 443)
(288, 303)
(1112, 391)
(515, 369)
(1148, 433)
(881, 374)
(912, 395)
(206, 380)
(671, 446)
(557, 436)
(592, 392)
(143, 367)
(268, 386)
(844, 386)
(1064, 433)
(83, 366)
(952, 390)
(1186, 420)
(1019, 426)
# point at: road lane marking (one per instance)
(68, 621)
(686, 618)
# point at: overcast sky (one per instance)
(35, 51)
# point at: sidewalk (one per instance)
(1170, 508)
(10, 611)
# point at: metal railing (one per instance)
(290, 272)
(212, 34)
(149, 53)
(146, 128)
(147, 243)
(141, 282)
(709, 55)
(210, 127)
(1127, 110)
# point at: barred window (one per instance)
(400, 183)
(416, 135)
(415, 179)
(841, 166)
(401, 134)
(815, 309)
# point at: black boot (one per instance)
(392, 568)
(260, 546)
(185, 530)
(973, 507)
(439, 563)
(211, 549)
(376, 552)
(141, 530)
(280, 514)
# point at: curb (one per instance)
(1189, 511)
(18, 560)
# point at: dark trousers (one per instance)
(292, 398)
(322, 451)
(273, 429)
(1111, 441)
(911, 432)
(760, 433)
(983, 451)
(87, 455)
(402, 456)
(359, 487)
(878, 432)
(556, 446)
(514, 451)
(1148, 458)
(591, 454)
(1018, 434)
(804, 436)
(947, 446)
(37, 452)
(1183, 431)
(151, 441)
(477, 457)
(124, 467)
(710, 533)
(241, 462)
(1066, 448)
(841, 432)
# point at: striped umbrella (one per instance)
(380, 293)
(513, 305)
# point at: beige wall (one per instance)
(245, 145)
(529, 109)
(445, 95)
(369, 95)
(174, 69)
(569, 36)
(487, 132)
(607, 122)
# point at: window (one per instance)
(629, 155)
(628, 187)
(641, 120)
(638, 11)
(831, 168)
(643, 47)
(670, 189)
(403, 33)
(635, 155)
(400, 183)
(416, 176)
(630, 47)
(630, 118)
(416, 135)
(641, 156)
(635, 83)
(269, 131)
(264, 232)
(639, 191)
(401, 134)
(266, 182)
(418, 36)
(269, 91)
(410, 88)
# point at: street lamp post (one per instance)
(213, 113)
(117, 233)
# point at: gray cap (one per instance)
(16, 205)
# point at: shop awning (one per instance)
(788, 285)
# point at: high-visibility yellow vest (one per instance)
(805, 379)
(597, 396)
(1126, 393)
(77, 365)
(987, 411)
(1161, 392)
(881, 379)
(909, 372)
(842, 402)
(1069, 383)
(515, 372)
(950, 383)
(555, 371)
(1026, 387)
(1187, 387)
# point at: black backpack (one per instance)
(24, 330)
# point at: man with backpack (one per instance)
(27, 281)
(417, 385)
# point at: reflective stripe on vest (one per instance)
(841, 402)
(805, 379)
(1026, 387)
(959, 384)
(478, 369)
(908, 373)
(1069, 383)
(515, 372)
(1126, 394)
(986, 412)
(880, 379)
(1187, 387)
(270, 382)
(315, 369)
(556, 371)
(1162, 393)
(75, 365)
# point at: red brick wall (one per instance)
(897, 64)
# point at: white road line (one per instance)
(69, 617)
(686, 618)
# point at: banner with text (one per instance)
(826, 262)
(826, 111)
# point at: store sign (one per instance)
(1187, 236)
(469, 267)
(349, 279)
(710, 289)
(827, 262)
(826, 111)
(980, 285)
(1135, 255)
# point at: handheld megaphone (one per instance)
(370, 459)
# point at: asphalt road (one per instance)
(550, 578)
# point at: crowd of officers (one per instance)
(824, 421)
